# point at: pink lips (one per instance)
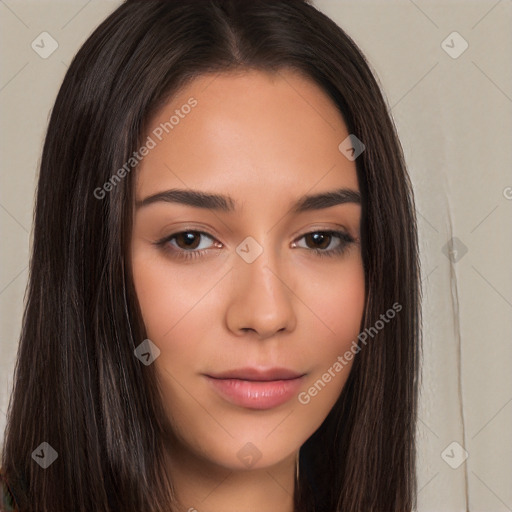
(256, 389)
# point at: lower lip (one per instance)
(256, 394)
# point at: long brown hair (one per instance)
(77, 384)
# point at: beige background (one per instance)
(454, 119)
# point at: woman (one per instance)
(186, 344)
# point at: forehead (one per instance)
(252, 131)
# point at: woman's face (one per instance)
(249, 297)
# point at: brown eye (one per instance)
(187, 239)
(319, 240)
(188, 244)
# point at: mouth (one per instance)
(252, 388)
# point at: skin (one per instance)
(265, 140)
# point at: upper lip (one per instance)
(256, 374)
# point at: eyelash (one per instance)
(345, 241)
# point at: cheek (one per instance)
(166, 296)
(169, 305)
(178, 309)
(346, 305)
(337, 301)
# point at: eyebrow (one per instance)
(222, 203)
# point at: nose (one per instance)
(262, 300)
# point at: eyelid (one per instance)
(300, 234)
(338, 228)
(165, 240)
(343, 235)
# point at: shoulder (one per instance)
(7, 501)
